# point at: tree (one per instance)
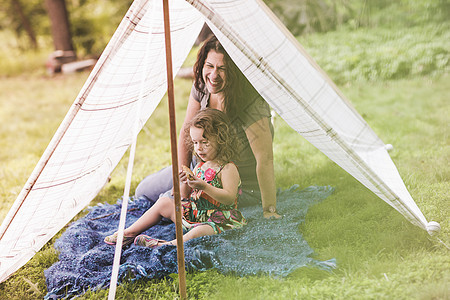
(62, 37)
(17, 7)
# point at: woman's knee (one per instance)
(155, 184)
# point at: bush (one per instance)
(304, 16)
(93, 24)
(381, 53)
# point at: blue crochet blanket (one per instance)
(273, 247)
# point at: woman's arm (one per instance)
(230, 184)
(184, 155)
(260, 139)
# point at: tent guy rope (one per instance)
(126, 193)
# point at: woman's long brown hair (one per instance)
(235, 85)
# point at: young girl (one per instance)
(212, 205)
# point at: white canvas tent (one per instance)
(98, 129)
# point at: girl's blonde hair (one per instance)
(216, 127)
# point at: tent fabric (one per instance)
(273, 247)
(99, 126)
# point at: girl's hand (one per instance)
(187, 177)
(188, 172)
(185, 174)
(197, 183)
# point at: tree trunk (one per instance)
(60, 26)
(62, 38)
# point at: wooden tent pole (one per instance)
(173, 144)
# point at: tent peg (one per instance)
(433, 228)
(388, 147)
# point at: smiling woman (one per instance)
(214, 75)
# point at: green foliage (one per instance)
(410, 13)
(304, 17)
(381, 53)
(94, 22)
(35, 12)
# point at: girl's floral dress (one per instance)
(203, 209)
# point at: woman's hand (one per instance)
(271, 215)
(271, 212)
(185, 189)
(183, 176)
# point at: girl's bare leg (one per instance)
(164, 207)
(195, 232)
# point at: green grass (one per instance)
(380, 255)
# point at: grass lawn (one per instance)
(380, 255)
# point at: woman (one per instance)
(219, 84)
